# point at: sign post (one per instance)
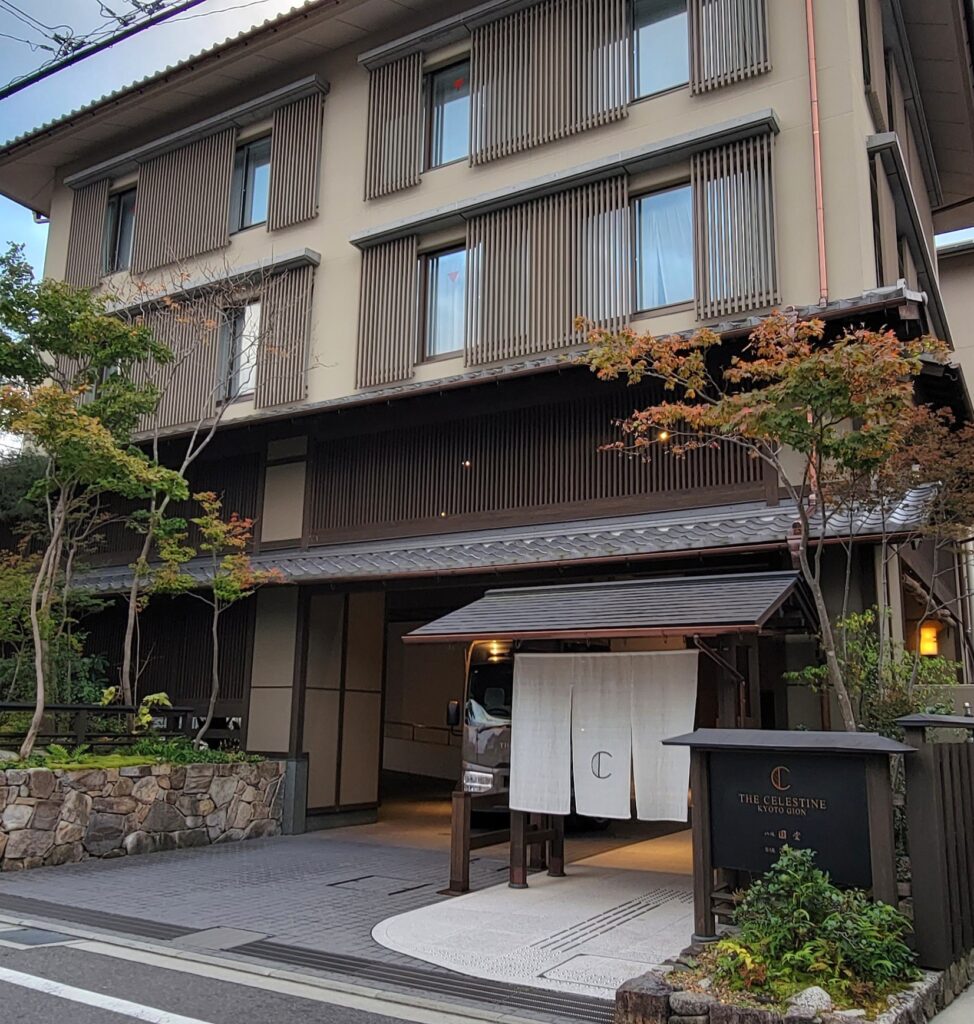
(755, 791)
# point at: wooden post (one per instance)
(459, 843)
(80, 726)
(556, 860)
(882, 842)
(928, 866)
(704, 923)
(537, 852)
(519, 853)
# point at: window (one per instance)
(661, 46)
(446, 287)
(241, 336)
(251, 178)
(449, 114)
(119, 223)
(664, 248)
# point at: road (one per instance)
(46, 976)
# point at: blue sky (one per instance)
(129, 60)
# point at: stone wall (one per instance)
(61, 817)
(652, 999)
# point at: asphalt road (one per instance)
(90, 982)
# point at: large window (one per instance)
(449, 114)
(446, 287)
(661, 46)
(664, 248)
(251, 179)
(241, 339)
(119, 224)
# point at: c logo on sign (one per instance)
(597, 764)
(779, 777)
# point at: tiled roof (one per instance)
(747, 525)
(640, 607)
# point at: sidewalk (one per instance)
(960, 1011)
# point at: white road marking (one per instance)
(398, 1010)
(97, 999)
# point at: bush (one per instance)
(145, 750)
(798, 929)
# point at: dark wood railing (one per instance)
(940, 835)
(89, 724)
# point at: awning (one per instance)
(681, 606)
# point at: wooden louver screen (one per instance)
(188, 384)
(545, 72)
(282, 354)
(295, 160)
(728, 42)
(86, 256)
(533, 268)
(541, 462)
(184, 202)
(736, 250)
(387, 313)
(393, 158)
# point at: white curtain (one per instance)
(665, 248)
(664, 697)
(599, 719)
(541, 734)
(602, 734)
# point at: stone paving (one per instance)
(318, 891)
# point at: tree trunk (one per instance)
(828, 638)
(42, 586)
(125, 673)
(214, 676)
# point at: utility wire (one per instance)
(69, 54)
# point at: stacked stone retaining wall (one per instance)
(50, 817)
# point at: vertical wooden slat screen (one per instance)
(86, 239)
(524, 463)
(189, 383)
(184, 202)
(388, 313)
(545, 72)
(285, 326)
(533, 268)
(728, 42)
(295, 162)
(393, 158)
(734, 222)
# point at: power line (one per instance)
(72, 49)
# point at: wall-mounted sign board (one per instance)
(755, 791)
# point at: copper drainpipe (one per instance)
(823, 274)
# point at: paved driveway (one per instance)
(315, 891)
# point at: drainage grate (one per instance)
(94, 918)
(561, 1005)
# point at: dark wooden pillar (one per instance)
(459, 843)
(519, 850)
(704, 923)
(882, 842)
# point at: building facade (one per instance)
(378, 223)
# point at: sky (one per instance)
(127, 61)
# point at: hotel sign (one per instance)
(761, 801)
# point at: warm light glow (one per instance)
(664, 435)
(929, 639)
(466, 463)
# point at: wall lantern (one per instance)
(930, 639)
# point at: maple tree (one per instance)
(845, 406)
(230, 574)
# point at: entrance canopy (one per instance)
(680, 606)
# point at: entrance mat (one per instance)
(95, 918)
(551, 1004)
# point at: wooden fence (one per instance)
(940, 835)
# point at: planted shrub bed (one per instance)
(61, 815)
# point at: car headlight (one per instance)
(478, 782)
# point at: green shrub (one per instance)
(797, 929)
(143, 750)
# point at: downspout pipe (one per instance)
(823, 274)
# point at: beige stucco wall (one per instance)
(957, 286)
(846, 122)
(272, 670)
